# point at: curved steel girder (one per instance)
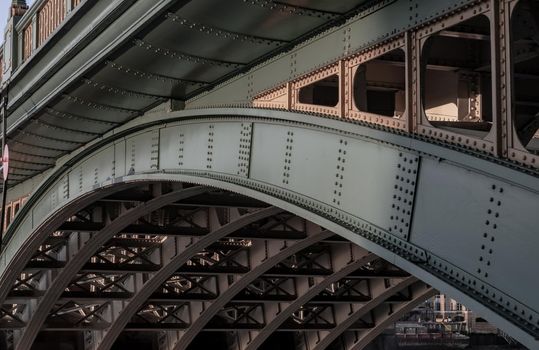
(282, 315)
(422, 255)
(76, 263)
(381, 294)
(388, 318)
(25, 250)
(260, 268)
(126, 312)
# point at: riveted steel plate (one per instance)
(268, 75)
(257, 20)
(463, 218)
(320, 52)
(512, 215)
(304, 166)
(241, 96)
(324, 5)
(98, 168)
(87, 109)
(379, 25)
(369, 180)
(313, 163)
(195, 147)
(129, 78)
(151, 59)
(268, 153)
(113, 96)
(226, 140)
(424, 10)
(140, 152)
(75, 180)
(120, 168)
(44, 129)
(171, 145)
(74, 122)
(208, 42)
(450, 212)
(356, 176)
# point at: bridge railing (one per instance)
(40, 21)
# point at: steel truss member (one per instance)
(77, 261)
(123, 315)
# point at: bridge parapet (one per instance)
(29, 28)
(397, 198)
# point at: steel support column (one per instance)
(123, 313)
(76, 262)
(40, 234)
(277, 315)
(260, 266)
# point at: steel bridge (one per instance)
(263, 173)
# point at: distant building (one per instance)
(443, 314)
(458, 317)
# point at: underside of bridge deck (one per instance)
(119, 241)
(246, 173)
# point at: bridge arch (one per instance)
(393, 284)
(373, 187)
